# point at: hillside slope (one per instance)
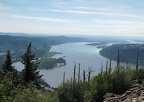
(16, 43)
(134, 94)
(127, 52)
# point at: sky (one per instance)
(76, 17)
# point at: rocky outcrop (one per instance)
(60, 64)
(134, 94)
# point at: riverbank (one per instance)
(128, 53)
(75, 53)
(50, 63)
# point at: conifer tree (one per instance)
(118, 59)
(110, 64)
(9, 70)
(101, 68)
(30, 73)
(7, 66)
(137, 60)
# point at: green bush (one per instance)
(138, 74)
(32, 94)
(71, 91)
(116, 82)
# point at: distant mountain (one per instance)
(127, 52)
(14, 34)
(102, 38)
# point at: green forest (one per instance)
(25, 86)
(11, 42)
(41, 47)
(128, 52)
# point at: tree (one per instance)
(137, 60)
(7, 66)
(30, 73)
(72, 90)
(121, 79)
(118, 58)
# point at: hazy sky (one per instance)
(91, 17)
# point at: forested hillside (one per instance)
(41, 46)
(17, 43)
(127, 52)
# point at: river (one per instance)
(87, 56)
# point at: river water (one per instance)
(74, 53)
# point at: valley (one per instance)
(61, 57)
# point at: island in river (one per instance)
(50, 63)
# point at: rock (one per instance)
(127, 92)
(136, 85)
(128, 100)
(142, 94)
(132, 89)
(134, 94)
(108, 95)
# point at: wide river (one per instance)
(75, 53)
